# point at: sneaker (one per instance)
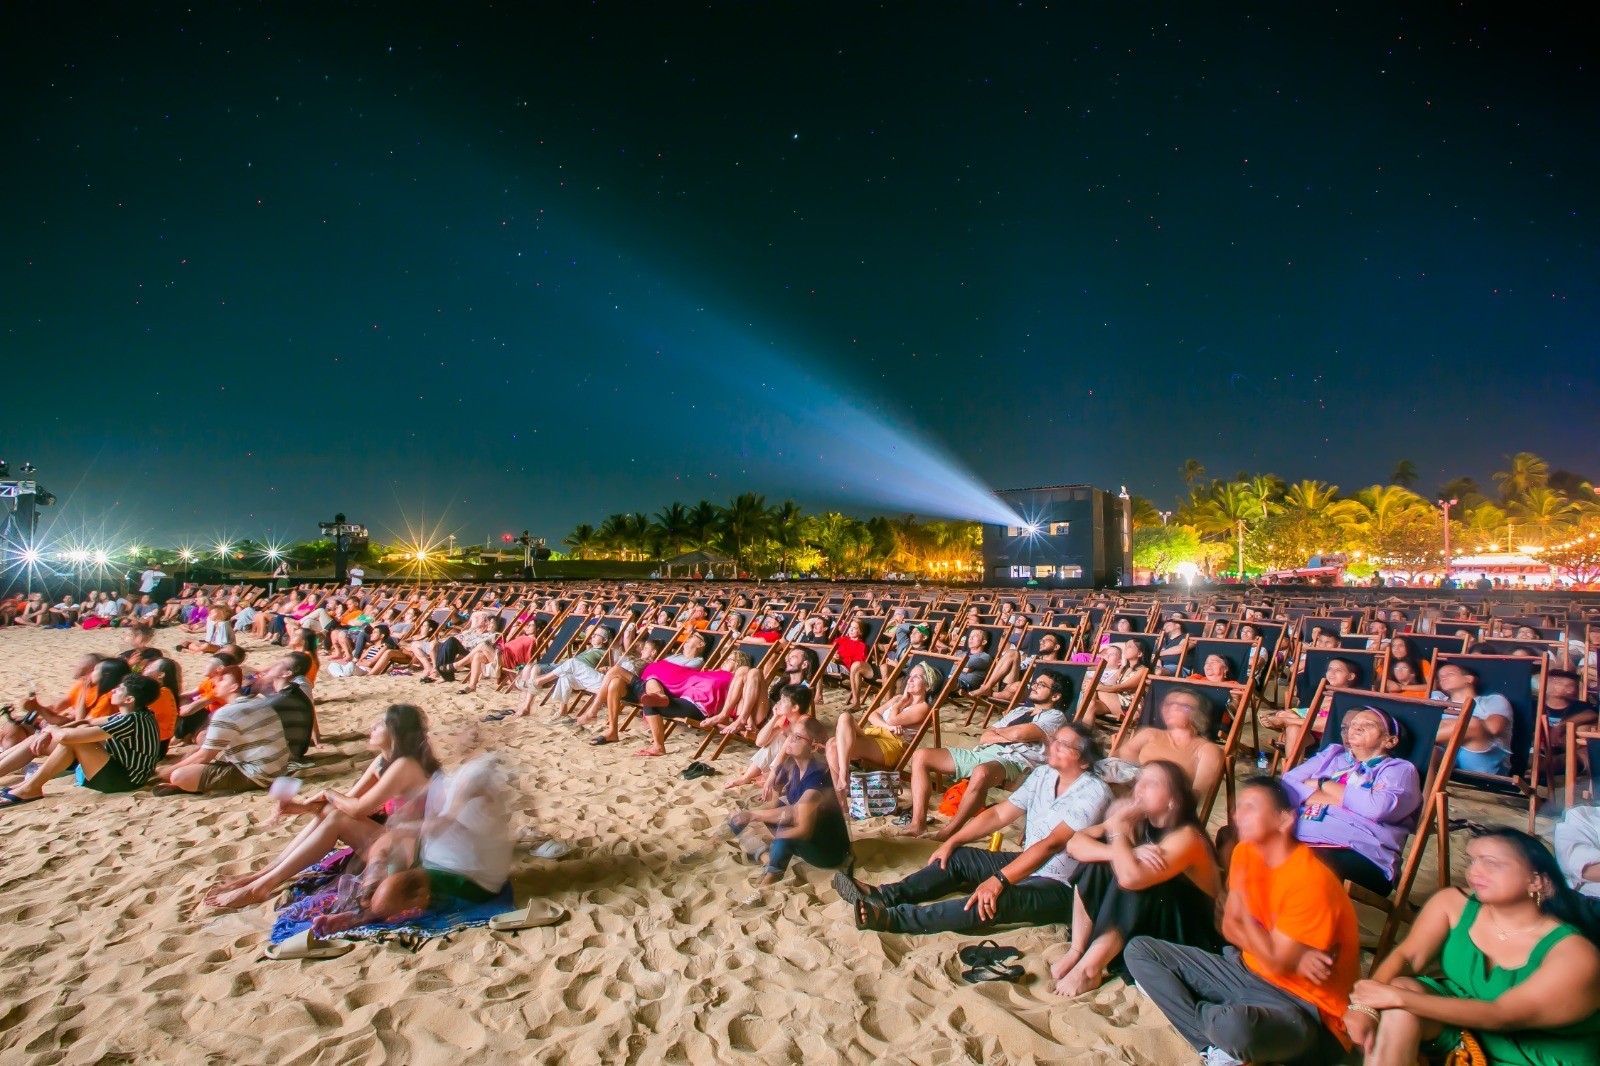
(1215, 1056)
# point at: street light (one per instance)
(1447, 504)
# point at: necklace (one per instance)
(1502, 935)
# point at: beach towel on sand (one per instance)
(446, 916)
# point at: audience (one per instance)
(1147, 870)
(1516, 962)
(1486, 746)
(1357, 803)
(805, 821)
(400, 772)
(1006, 752)
(1282, 996)
(1184, 737)
(243, 747)
(112, 753)
(1058, 799)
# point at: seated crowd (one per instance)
(1103, 745)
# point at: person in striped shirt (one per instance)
(112, 754)
(243, 748)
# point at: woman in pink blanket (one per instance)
(699, 695)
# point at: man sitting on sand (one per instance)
(111, 754)
(244, 746)
(1061, 797)
(1007, 752)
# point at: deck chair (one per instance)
(1473, 631)
(949, 667)
(1421, 719)
(1512, 677)
(1027, 647)
(1238, 653)
(1427, 645)
(1220, 700)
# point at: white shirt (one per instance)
(1083, 804)
(150, 579)
(1578, 845)
(465, 829)
(356, 574)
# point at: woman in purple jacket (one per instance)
(1357, 802)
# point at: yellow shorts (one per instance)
(889, 743)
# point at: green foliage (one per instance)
(1160, 549)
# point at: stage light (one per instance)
(223, 550)
(31, 556)
(186, 555)
(1033, 529)
(101, 558)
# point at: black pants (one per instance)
(1215, 1001)
(446, 652)
(1033, 901)
(1356, 868)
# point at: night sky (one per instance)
(487, 268)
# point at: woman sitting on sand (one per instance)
(356, 819)
(880, 742)
(1147, 870)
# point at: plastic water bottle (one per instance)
(1263, 761)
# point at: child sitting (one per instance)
(794, 703)
(805, 820)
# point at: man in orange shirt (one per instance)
(1280, 992)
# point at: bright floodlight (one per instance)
(1033, 529)
(186, 555)
(31, 556)
(223, 550)
(101, 558)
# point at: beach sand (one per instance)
(109, 956)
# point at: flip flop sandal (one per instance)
(9, 798)
(598, 739)
(305, 946)
(985, 952)
(552, 849)
(992, 972)
(498, 716)
(696, 770)
(536, 914)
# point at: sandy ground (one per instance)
(108, 956)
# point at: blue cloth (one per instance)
(448, 916)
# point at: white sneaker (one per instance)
(1215, 1056)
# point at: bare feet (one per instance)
(1062, 966)
(237, 899)
(1078, 981)
(650, 753)
(914, 829)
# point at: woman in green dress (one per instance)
(1520, 968)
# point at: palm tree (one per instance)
(1142, 512)
(613, 534)
(704, 525)
(672, 525)
(1312, 497)
(1193, 472)
(581, 540)
(744, 521)
(1405, 474)
(1230, 509)
(788, 533)
(1547, 511)
(1265, 490)
(637, 533)
(1486, 523)
(1527, 472)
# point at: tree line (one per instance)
(1257, 522)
